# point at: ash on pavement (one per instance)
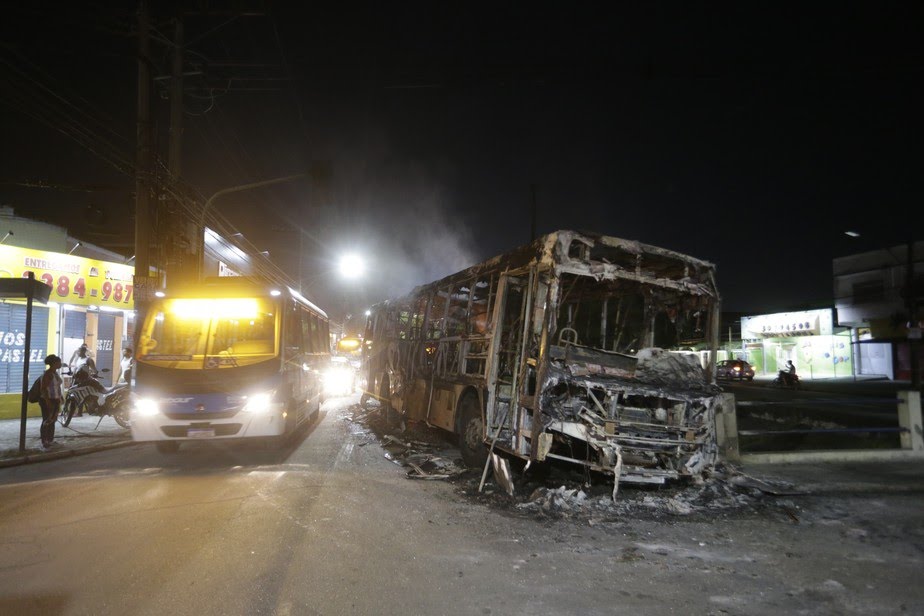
(553, 491)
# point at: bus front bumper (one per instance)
(161, 427)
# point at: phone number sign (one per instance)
(73, 280)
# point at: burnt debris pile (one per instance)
(550, 491)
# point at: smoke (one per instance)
(396, 214)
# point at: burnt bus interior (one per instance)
(562, 346)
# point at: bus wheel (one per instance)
(167, 446)
(471, 433)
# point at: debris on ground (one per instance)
(502, 474)
(560, 491)
(725, 490)
(420, 449)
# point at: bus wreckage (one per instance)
(578, 347)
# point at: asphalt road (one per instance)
(330, 526)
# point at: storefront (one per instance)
(808, 338)
(91, 303)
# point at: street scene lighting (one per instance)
(352, 266)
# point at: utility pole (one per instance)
(184, 250)
(142, 281)
(176, 104)
(143, 152)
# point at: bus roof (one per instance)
(224, 286)
(557, 248)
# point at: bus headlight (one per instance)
(258, 403)
(145, 407)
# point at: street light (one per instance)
(352, 266)
(225, 191)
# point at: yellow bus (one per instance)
(577, 347)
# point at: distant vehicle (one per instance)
(734, 369)
(786, 381)
(351, 348)
(230, 358)
(339, 377)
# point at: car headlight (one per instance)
(145, 407)
(258, 403)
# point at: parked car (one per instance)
(734, 369)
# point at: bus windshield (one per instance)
(228, 331)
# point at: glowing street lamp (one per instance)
(352, 266)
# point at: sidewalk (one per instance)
(82, 436)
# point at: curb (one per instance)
(65, 453)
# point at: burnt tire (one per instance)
(471, 433)
(167, 447)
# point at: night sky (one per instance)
(750, 135)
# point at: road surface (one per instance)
(330, 526)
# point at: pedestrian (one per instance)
(82, 361)
(125, 366)
(50, 399)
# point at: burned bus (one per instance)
(578, 347)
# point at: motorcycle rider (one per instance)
(788, 374)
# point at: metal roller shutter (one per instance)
(105, 343)
(13, 344)
(75, 325)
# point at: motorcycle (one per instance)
(785, 380)
(88, 395)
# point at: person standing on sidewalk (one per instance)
(50, 399)
(125, 370)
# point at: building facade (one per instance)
(879, 296)
(817, 347)
(90, 303)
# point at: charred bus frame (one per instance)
(577, 347)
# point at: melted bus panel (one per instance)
(579, 347)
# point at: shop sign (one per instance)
(13, 348)
(73, 280)
(225, 270)
(788, 324)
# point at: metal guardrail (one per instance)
(822, 431)
(906, 407)
(910, 429)
(859, 402)
(877, 404)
